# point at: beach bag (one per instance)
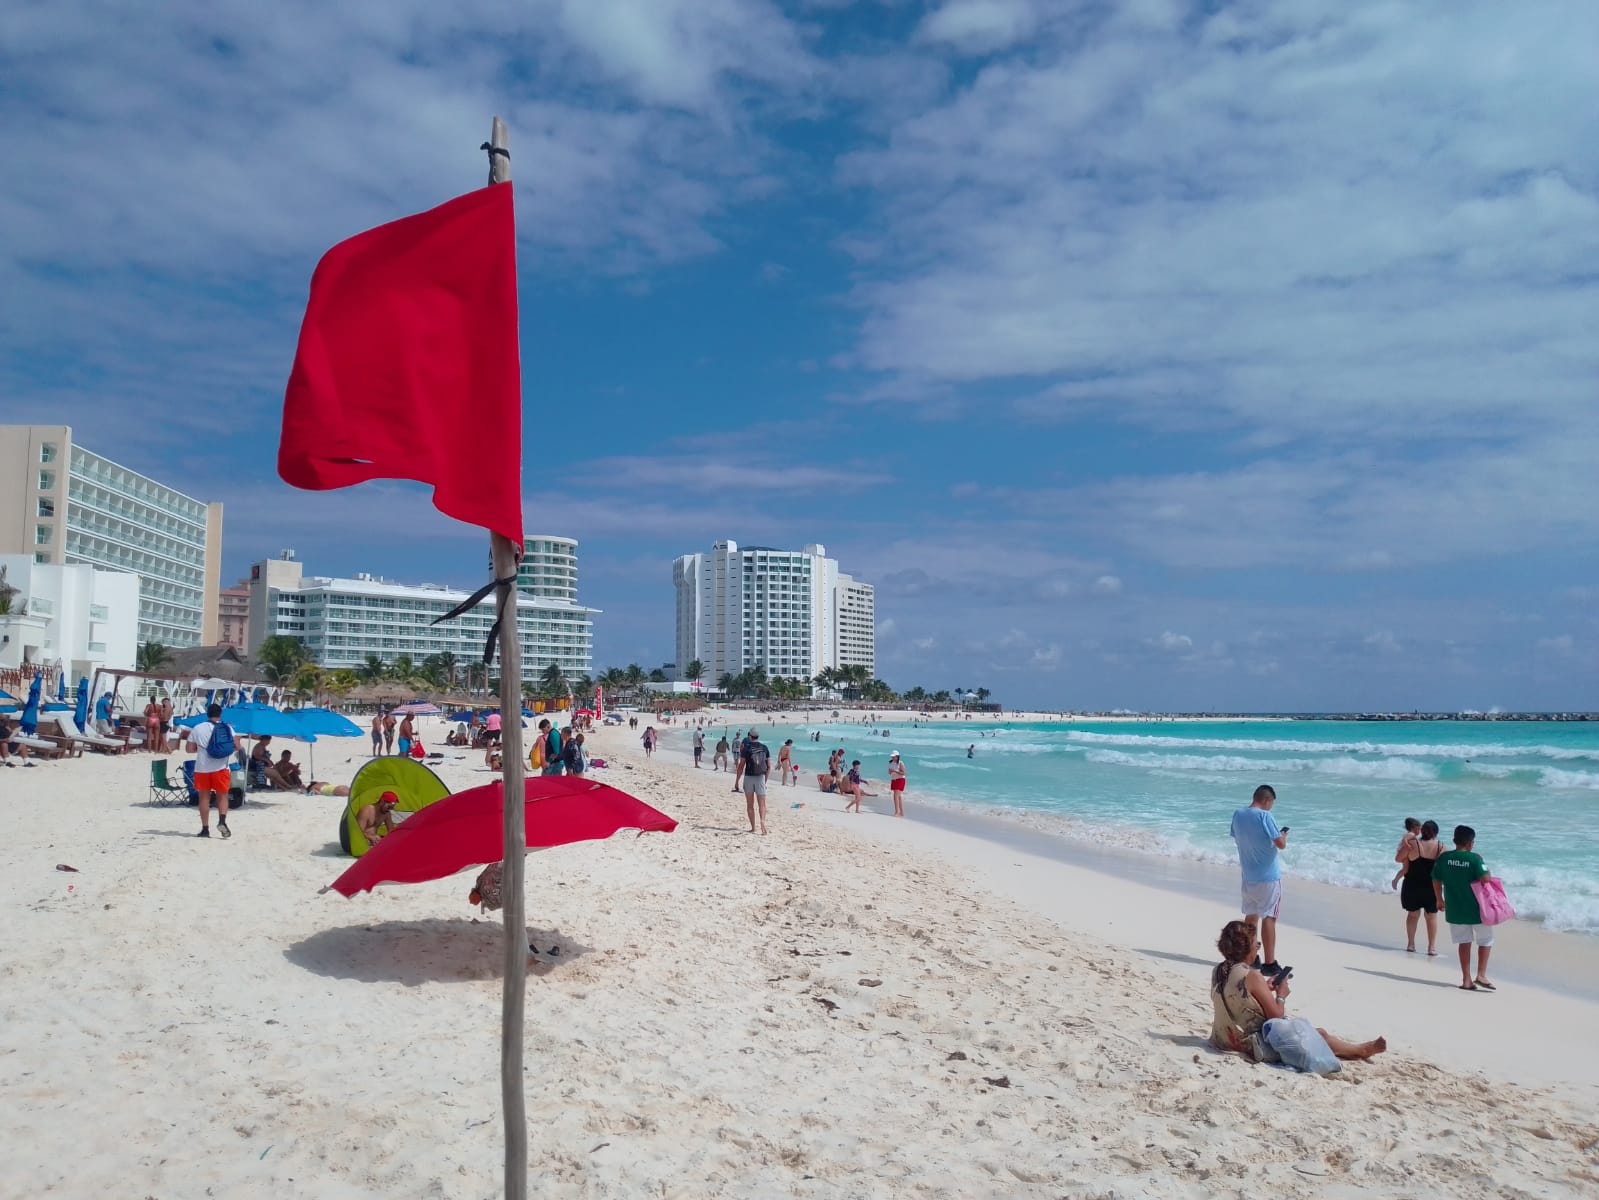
(220, 743)
(535, 756)
(1299, 1045)
(1492, 902)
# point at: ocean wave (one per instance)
(1461, 751)
(950, 766)
(1393, 769)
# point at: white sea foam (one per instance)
(1396, 769)
(1462, 751)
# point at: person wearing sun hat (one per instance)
(896, 783)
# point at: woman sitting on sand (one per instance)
(1243, 1000)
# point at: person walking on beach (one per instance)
(1259, 839)
(211, 743)
(896, 783)
(377, 733)
(1452, 876)
(649, 741)
(1417, 852)
(699, 747)
(785, 761)
(388, 733)
(554, 762)
(407, 734)
(719, 759)
(754, 760)
(738, 768)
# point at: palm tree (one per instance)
(8, 593)
(152, 657)
(658, 676)
(403, 669)
(940, 697)
(279, 657)
(308, 682)
(372, 670)
(552, 681)
(982, 695)
(694, 672)
(341, 682)
(916, 695)
(726, 683)
(450, 666)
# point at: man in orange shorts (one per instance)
(211, 770)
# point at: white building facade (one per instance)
(739, 608)
(342, 621)
(855, 623)
(62, 504)
(74, 614)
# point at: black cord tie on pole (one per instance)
(493, 150)
(507, 589)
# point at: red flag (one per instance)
(408, 366)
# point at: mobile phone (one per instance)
(1284, 829)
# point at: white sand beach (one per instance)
(851, 1006)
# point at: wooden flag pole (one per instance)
(514, 871)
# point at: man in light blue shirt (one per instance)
(1259, 839)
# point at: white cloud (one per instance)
(887, 629)
(1561, 645)
(1384, 642)
(1046, 658)
(1107, 585)
(1172, 641)
(980, 26)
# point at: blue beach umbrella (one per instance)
(8, 702)
(322, 722)
(61, 685)
(30, 710)
(82, 712)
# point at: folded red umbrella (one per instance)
(465, 830)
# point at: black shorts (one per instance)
(491, 736)
(698, 752)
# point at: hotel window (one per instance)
(42, 535)
(47, 508)
(47, 481)
(47, 452)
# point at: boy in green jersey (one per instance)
(1452, 876)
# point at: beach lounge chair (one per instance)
(40, 747)
(69, 729)
(162, 790)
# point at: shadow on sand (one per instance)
(1185, 1039)
(1443, 983)
(417, 952)
(1169, 956)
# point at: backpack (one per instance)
(572, 757)
(757, 758)
(220, 743)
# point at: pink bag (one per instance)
(1492, 901)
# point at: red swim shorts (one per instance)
(212, 781)
(897, 784)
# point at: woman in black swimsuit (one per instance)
(1416, 894)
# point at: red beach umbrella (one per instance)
(464, 830)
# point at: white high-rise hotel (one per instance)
(791, 611)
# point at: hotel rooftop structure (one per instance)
(64, 504)
(342, 621)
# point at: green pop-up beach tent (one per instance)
(415, 785)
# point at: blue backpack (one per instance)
(220, 743)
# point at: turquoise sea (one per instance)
(1530, 789)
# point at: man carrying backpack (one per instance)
(211, 743)
(755, 760)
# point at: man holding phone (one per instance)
(1259, 839)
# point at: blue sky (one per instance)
(1150, 354)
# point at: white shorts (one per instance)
(1463, 935)
(1263, 899)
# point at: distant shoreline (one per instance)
(858, 712)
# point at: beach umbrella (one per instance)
(61, 685)
(8, 702)
(419, 708)
(464, 830)
(81, 714)
(254, 720)
(30, 711)
(321, 722)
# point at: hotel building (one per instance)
(233, 617)
(790, 611)
(341, 621)
(62, 504)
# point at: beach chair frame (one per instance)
(163, 791)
